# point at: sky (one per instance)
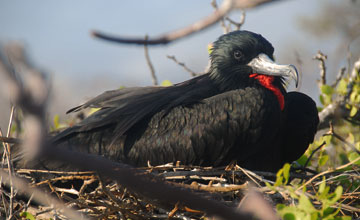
(56, 35)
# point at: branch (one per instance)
(338, 109)
(39, 196)
(321, 57)
(148, 61)
(226, 7)
(192, 73)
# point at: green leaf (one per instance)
(289, 216)
(286, 172)
(305, 204)
(354, 96)
(27, 215)
(326, 89)
(336, 195)
(302, 160)
(322, 186)
(56, 121)
(166, 83)
(353, 111)
(323, 159)
(321, 98)
(210, 47)
(342, 87)
(353, 156)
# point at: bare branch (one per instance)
(337, 109)
(224, 9)
(339, 76)
(222, 20)
(39, 196)
(192, 73)
(148, 61)
(235, 23)
(321, 57)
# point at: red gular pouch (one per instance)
(267, 82)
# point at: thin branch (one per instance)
(327, 172)
(336, 135)
(192, 73)
(7, 154)
(321, 57)
(338, 107)
(40, 196)
(222, 20)
(10, 140)
(313, 152)
(235, 23)
(339, 76)
(224, 9)
(148, 61)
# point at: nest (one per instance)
(101, 198)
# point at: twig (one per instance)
(65, 178)
(54, 172)
(339, 76)
(313, 152)
(327, 172)
(222, 20)
(338, 107)
(10, 140)
(334, 134)
(7, 153)
(224, 9)
(192, 73)
(237, 24)
(321, 57)
(40, 196)
(148, 61)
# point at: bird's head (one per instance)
(237, 56)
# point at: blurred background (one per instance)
(57, 37)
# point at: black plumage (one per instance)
(239, 111)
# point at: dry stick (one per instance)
(321, 57)
(40, 196)
(148, 61)
(55, 172)
(334, 134)
(326, 172)
(65, 178)
(10, 140)
(192, 73)
(8, 159)
(224, 9)
(145, 184)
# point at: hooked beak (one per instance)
(262, 64)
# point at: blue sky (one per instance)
(56, 34)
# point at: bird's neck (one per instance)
(268, 83)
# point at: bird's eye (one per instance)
(238, 55)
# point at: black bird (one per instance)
(239, 111)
